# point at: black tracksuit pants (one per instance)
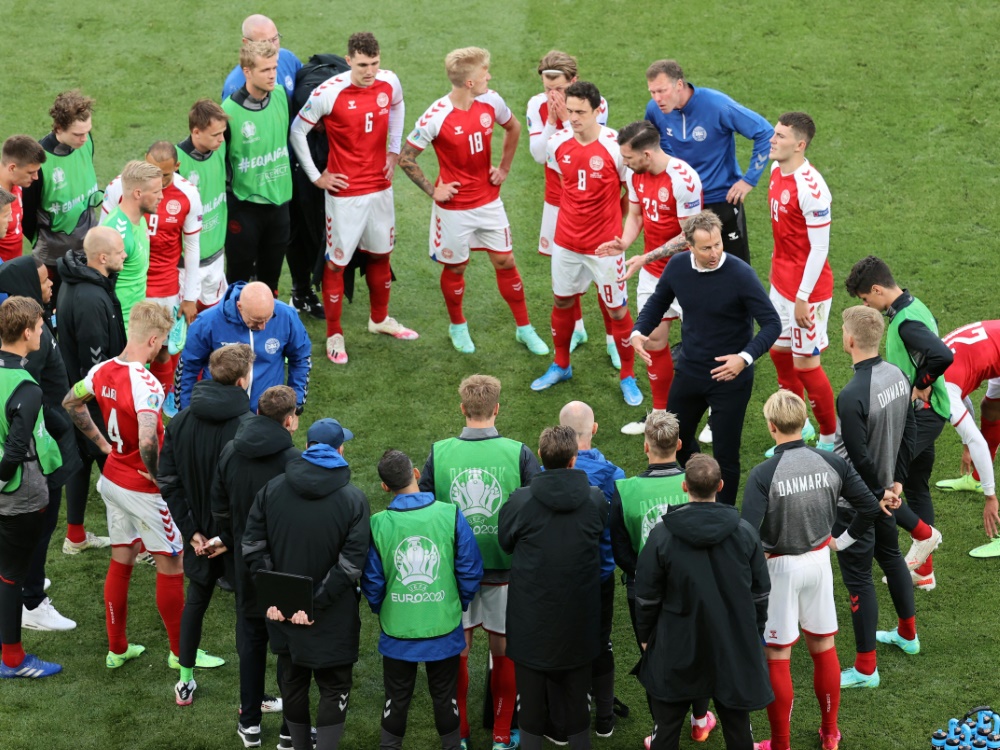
(669, 718)
(400, 677)
(256, 240)
(917, 488)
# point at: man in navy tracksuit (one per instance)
(721, 297)
(698, 125)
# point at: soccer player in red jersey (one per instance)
(589, 160)
(359, 110)
(130, 399)
(801, 279)
(662, 191)
(546, 115)
(468, 213)
(20, 162)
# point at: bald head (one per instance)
(162, 151)
(105, 249)
(258, 28)
(256, 305)
(580, 417)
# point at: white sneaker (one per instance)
(392, 327)
(635, 428)
(45, 586)
(249, 735)
(90, 541)
(45, 617)
(920, 550)
(336, 352)
(270, 705)
(705, 436)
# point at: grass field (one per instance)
(904, 95)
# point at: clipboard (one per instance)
(289, 593)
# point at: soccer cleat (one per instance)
(630, 390)
(852, 678)
(893, 638)
(184, 693)
(285, 741)
(113, 660)
(526, 335)
(579, 337)
(808, 432)
(700, 734)
(559, 742)
(990, 549)
(271, 705)
(648, 743)
(249, 735)
(336, 352)
(762, 745)
(392, 327)
(821, 446)
(921, 549)
(616, 358)
(635, 428)
(178, 336)
(965, 483)
(202, 661)
(555, 374)
(45, 586)
(146, 558)
(924, 583)
(829, 741)
(705, 436)
(91, 541)
(770, 451)
(307, 302)
(513, 744)
(32, 667)
(45, 617)
(170, 405)
(604, 726)
(465, 743)
(460, 338)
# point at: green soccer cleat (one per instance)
(965, 483)
(616, 359)
(460, 338)
(852, 678)
(526, 335)
(892, 638)
(579, 337)
(113, 660)
(990, 549)
(203, 661)
(809, 432)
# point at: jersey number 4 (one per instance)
(114, 434)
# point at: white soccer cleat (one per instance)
(91, 541)
(635, 428)
(920, 550)
(336, 352)
(392, 327)
(705, 436)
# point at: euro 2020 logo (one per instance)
(651, 518)
(477, 493)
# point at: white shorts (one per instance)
(359, 222)
(171, 303)
(644, 290)
(804, 342)
(573, 273)
(455, 233)
(139, 515)
(993, 389)
(550, 214)
(213, 281)
(488, 610)
(801, 595)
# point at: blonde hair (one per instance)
(786, 411)
(250, 51)
(147, 319)
(865, 324)
(480, 395)
(662, 430)
(460, 64)
(137, 173)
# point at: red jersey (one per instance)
(977, 355)
(590, 211)
(11, 244)
(123, 390)
(539, 132)
(462, 141)
(358, 119)
(665, 199)
(175, 227)
(799, 201)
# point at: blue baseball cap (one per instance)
(328, 431)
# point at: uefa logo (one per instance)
(418, 562)
(650, 519)
(477, 493)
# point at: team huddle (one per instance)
(158, 298)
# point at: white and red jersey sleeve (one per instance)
(123, 390)
(590, 210)
(112, 197)
(665, 199)
(799, 203)
(12, 243)
(462, 141)
(976, 347)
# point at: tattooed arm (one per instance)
(149, 445)
(75, 403)
(408, 163)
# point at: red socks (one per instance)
(991, 431)
(779, 712)
(609, 329)
(13, 654)
(379, 277)
(164, 371)
(661, 375)
(333, 299)
(170, 603)
(622, 331)
(463, 695)
(75, 532)
(512, 290)
(826, 683)
(907, 628)
(453, 289)
(817, 385)
(116, 605)
(865, 662)
(788, 376)
(577, 315)
(504, 690)
(921, 531)
(927, 568)
(562, 332)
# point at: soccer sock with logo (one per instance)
(562, 333)
(378, 274)
(116, 605)
(577, 315)
(504, 690)
(463, 695)
(661, 375)
(75, 532)
(453, 289)
(788, 376)
(512, 290)
(779, 711)
(826, 684)
(817, 386)
(622, 333)
(609, 326)
(333, 299)
(907, 628)
(170, 603)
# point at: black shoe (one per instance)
(621, 709)
(308, 302)
(285, 741)
(604, 726)
(223, 583)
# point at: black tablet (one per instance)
(289, 593)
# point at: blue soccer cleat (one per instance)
(555, 374)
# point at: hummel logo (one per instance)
(670, 132)
(734, 236)
(458, 130)
(351, 104)
(565, 158)
(342, 704)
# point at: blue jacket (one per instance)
(602, 474)
(288, 66)
(701, 133)
(468, 574)
(284, 337)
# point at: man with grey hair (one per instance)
(258, 28)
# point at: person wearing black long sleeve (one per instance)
(721, 297)
(914, 345)
(876, 434)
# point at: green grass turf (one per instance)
(904, 97)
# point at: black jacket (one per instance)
(312, 521)
(91, 326)
(553, 529)
(192, 443)
(20, 277)
(250, 460)
(701, 595)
